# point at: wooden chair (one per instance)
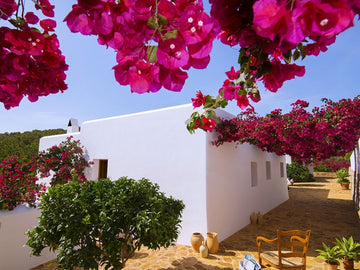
(291, 250)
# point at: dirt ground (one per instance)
(321, 206)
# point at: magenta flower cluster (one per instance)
(18, 183)
(156, 41)
(19, 179)
(32, 64)
(272, 34)
(63, 162)
(332, 130)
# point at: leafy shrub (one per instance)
(104, 222)
(321, 168)
(298, 173)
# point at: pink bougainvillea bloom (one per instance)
(232, 74)
(229, 89)
(46, 8)
(242, 101)
(203, 48)
(31, 18)
(104, 24)
(139, 77)
(7, 8)
(78, 21)
(326, 19)
(280, 73)
(208, 124)
(195, 25)
(48, 25)
(173, 79)
(269, 18)
(172, 54)
(198, 63)
(320, 44)
(89, 4)
(199, 100)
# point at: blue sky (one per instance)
(93, 92)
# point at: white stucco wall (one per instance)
(231, 197)
(214, 183)
(13, 225)
(154, 145)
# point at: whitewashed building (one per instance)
(220, 186)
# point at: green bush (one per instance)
(322, 168)
(298, 173)
(103, 222)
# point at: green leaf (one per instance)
(152, 22)
(287, 56)
(296, 55)
(171, 34)
(151, 54)
(242, 53)
(162, 20)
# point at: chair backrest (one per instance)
(293, 243)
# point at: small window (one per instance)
(282, 171)
(268, 170)
(103, 166)
(254, 174)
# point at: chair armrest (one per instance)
(266, 240)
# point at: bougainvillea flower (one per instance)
(7, 8)
(173, 79)
(89, 4)
(229, 89)
(139, 77)
(195, 25)
(172, 54)
(320, 44)
(203, 48)
(242, 101)
(208, 124)
(31, 18)
(232, 74)
(104, 24)
(48, 25)
(269, 18)
(326, 19)
(199, 100)
(78, 21)
(198, 63)
(280, 73)
(46, 8)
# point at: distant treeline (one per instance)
(24, 144)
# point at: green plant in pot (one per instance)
(342, 176)
(349, 252)
(330, 255)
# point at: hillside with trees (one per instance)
(24, 144)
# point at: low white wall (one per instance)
(13, 225)
(231, 198)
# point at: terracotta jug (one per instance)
(196, 240)
(253, 218)
(212, 242)
(204, 251)
(260, 218)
